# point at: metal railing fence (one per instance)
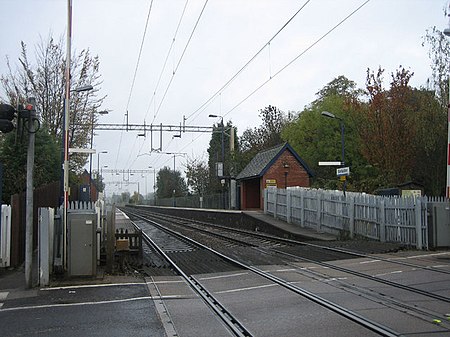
(387, 219)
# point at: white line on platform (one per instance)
(222, 276)
(60, 305)
(94, 286)
(244, 289)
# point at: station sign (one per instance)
(343, 171)
(271, 182)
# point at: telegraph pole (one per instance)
(29, 195)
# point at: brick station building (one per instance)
(279, 166)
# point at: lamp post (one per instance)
(92, 143)
(98, 170)
(330, 115)
(223, 155)
(286, 171)
(175, 154)
(447, 188)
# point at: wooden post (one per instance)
(111, 238)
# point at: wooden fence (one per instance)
(387, 219)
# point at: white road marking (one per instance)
(166, 282)
(60, 305)
(281, 270)
(371, 261)
(392, 272)
(93, 286)
(441, 266)
(3, 295)
(244, 289)
(222, 276)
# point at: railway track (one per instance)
(233, 240)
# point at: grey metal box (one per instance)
(82, 250)
(440, 226)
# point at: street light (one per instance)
(223, 155)
(105, 112)
(447, 189)
(98, 170)
(330, 115)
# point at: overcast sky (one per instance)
(386, 33)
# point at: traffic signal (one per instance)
(7, 114)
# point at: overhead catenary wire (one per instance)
(179, 61)
(297, 57)
(198, 110)
(277, 72)
(165, 62)
(134, 78)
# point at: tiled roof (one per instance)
(264, 159)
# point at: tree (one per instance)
(387, 129)
(431, 142)
(262, 137)
(197, 174)
(317, 138)
(215, 155)
(45, 80)
(439, 54)
(136, 198)
(13, 156)
(169, 183)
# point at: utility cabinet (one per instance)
(82, 243)
(439, 228)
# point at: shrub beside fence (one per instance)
(387, 219)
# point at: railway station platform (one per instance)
(250, 220)
(292, 229)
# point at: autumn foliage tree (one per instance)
(387, 129)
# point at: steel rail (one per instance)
(231, 322)
(355, 317)
(323, 264)
(369, 277)
(333, 249)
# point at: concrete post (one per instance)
(382, 221)
(288, 205)
(275, 201)
(302, 207)
(319, 210)
(418, 222)
(351, 211)
(110, 243)
(266, 198)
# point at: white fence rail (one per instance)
(387, 219)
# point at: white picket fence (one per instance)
(387, 219)
(5, 236)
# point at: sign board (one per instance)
(271, 182)
(219, 169)
(411, 193)
(343, 171)
(330, 163)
